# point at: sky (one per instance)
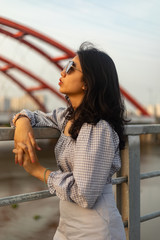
(129, 31)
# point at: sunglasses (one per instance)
(69, 67)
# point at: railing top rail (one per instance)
(142, 129)
(7, 133)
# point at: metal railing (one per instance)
(127, 181)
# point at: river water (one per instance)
(39, 219)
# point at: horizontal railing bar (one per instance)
(119, 180)
(150, 216)
(142, 129)
(26, 197)
(39, 195)
(7, 133)
(145, 218)
(44, 194)
(150, 174)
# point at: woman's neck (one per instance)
(75, 102)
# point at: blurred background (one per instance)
(37, 38)
(128, 31)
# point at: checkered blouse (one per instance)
(85, 164)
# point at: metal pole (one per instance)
(128, 193)
(134, 188)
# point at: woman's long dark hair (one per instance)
(102, 98)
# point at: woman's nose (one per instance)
(63, 73)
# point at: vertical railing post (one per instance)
(128, 194)
(134, 187)
(122, 189)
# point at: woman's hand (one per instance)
(22, 150)
(33, 168)
(24, 134)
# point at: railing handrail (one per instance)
(140, 129)
(7, 133)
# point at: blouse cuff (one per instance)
(27, 113)
(50, 182)
(15, 118)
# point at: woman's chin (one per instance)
(61, 91)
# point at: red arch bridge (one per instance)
(20, 33)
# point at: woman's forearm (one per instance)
(41, 173)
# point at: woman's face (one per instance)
(71, 83)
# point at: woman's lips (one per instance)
(60, 82)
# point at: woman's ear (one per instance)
(84, 87)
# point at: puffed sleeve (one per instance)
(95, 152)
(38, 118)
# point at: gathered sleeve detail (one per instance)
(94, 157)
(61, 183)
(38, 118)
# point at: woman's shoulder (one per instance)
(101, 129)
(106, 127)
(98, 134)
(103, 124)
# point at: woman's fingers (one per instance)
(16, 157)
(33, 142)
(23, 146)
(15, 151)
(31, 149)
(31, 153)
(28, 147)
(19, 155)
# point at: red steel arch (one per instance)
(7, 26)
(43, 85)
(23, 31)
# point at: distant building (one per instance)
(158, 110)
(154, 110)
(18, 103)
(4, 104)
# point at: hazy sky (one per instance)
(129, 31)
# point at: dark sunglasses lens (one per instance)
(69, 67)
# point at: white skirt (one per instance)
(102, 222)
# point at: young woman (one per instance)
(87, 152)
